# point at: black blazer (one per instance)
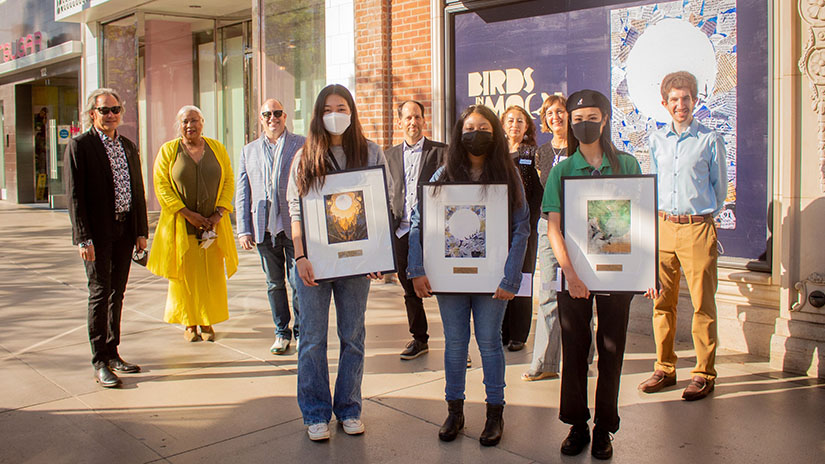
(91, 192)
(432, 155)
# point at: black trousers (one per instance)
(416, 317)
(611, 335)
(519, 313)
(108, 275)
(517, 319)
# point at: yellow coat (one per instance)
(171, 240)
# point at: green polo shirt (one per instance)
(576, 166)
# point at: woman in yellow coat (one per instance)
(194, 246)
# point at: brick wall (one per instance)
(372, 68)
(392, 63)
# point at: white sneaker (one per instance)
(280, 346)
(318, 432)
(353, 426)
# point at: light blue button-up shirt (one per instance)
(692, 169)
(271, 174)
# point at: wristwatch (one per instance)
(86, 243)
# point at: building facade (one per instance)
(762, 85)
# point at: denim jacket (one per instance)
(519, 232)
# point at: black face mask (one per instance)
(477, 143)
(587, 132)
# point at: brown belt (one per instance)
(121, 217)
(684, 218)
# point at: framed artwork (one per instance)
(610, 226)
(465, 236)
(347, 225)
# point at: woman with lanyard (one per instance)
(480, 154)
(547, 343)
(521, 138)
(593, 154)
(335, 142)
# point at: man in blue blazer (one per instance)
(263, 214)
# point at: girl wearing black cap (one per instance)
(593, 154)
(479, 154)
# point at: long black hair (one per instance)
(312, 166)
(498, 167)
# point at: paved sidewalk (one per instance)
(232, 401)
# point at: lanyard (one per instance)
(332, 159)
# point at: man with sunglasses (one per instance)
(107, 208)
(263, 214)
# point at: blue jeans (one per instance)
(313, 373)
(488, 315)
(278, 260)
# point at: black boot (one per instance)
(601, 447)
(576, 440)
(494, 426)
(454, 422)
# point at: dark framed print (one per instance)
(465, 236)
(610, 227)
(347, 225)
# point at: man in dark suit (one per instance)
(263, 213)
(107, 207)
(411, 163)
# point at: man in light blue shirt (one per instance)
(263, 215)
(689, 159)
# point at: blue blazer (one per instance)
(250, 191)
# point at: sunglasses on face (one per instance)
(276, 114)
(104, 110)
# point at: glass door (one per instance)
(235, 103)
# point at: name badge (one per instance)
(528, 162)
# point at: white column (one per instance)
(90, 63)
(339, 23)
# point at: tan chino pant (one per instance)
(693, 247)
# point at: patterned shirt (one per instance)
(120, 171)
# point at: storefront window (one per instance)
(294, 60)
(624, 49)
(120, 69)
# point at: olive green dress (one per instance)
(199, 296)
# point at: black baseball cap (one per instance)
(588, 99)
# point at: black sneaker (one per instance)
(576, 440)
(601, 448)
(414, 349)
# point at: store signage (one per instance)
(26, 45)
(499, 89)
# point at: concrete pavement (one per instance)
(232, 401)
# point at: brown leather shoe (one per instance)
(657, 381)
(698, 388)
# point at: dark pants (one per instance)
(416, 317)
(108, 275)
(517, 320)
(611, 334)
(519, 313)
(278, 261)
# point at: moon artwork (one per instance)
(650, 41)
(346, 218)
(465, 231)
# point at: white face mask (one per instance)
(336, 123)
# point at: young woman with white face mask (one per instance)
(335, 143)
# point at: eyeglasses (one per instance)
(276, 114)
(595, 173)
(104, 110)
